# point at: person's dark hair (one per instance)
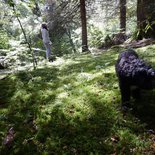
(44, 26)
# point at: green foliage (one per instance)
(4, 40)
(24, 10)
(10, 3)
(62, 46)
(132, 143)
(95, 36)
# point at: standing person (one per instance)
(46, 40)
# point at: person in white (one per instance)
(46, 40)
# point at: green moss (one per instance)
(72, 108)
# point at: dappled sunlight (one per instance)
(69, 101)
(99, 72)
(148, 54)
(60, 61)
(85, 77)
(62, 95)
(77, 107)
(65, 99)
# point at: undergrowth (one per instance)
(72, 108)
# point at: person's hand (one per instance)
(50, 43)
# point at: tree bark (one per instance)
(122, 15)
(84, 26)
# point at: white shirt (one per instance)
(45, 35)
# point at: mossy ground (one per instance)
(71, 107)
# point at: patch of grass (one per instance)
(72, 108)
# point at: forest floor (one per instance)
(71, 106)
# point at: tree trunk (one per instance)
(84, 26)
(145, 19)
(122, 15)
(26, 39)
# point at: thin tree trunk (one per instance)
(140, 19)
(122, 15)
(28, 43)
(84, 26)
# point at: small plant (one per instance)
(96, 36)
(4, 40)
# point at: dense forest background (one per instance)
(72, 105)
(76, 24)
(64, 21)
